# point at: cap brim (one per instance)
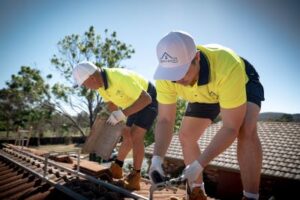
(80, 81)
(172, 73)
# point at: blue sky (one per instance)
(265, 32)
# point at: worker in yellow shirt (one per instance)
(130, 96)
(213, 79)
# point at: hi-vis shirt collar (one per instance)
(104, 78)
(204, 69)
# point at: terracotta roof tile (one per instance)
(280, 142)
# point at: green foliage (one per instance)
(61, 91)
(103, 50)
(217, 119)
(286, 118)
(149, 136)
(180, 110)
(23, 101)
(2, 125)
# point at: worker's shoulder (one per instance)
(215, 49)
(220, 55)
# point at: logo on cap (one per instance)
(166, 58)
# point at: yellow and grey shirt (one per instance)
(222, 79)
(121, 86)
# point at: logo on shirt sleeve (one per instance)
(213, 95)
(119, 93)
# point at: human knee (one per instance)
(136, 140)
(137, 136)
(127, 139)
(184, 139)
(248, 133)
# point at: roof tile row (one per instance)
(280, 142)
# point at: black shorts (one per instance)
(203, 110)
(145, 117)
(254, 91)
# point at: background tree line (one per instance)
(28, 100)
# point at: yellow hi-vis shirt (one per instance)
(222, 79)
(121, 86)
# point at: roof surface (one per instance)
(280, 142)
(16, 183)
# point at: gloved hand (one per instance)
(156, 173)
(115, 117)
(192, 172)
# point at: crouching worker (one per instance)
(213, 79)
(130, 96)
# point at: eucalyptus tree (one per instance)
(26, 100)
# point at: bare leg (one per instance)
(191, 130)
(126, 145)
(137, 137)
(249, 151)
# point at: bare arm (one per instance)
(111, 106)
(232, 121)
(143, 100)
(164, 128)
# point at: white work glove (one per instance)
(192, 172)
(156, 171)
(115, 117)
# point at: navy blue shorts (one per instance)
(254, 91)
(145, 117)
(203, 110)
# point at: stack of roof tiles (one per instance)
(16, 183)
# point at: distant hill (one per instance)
(296, 117)
(277, 116)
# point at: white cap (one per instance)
(175, 52)
(82, 71)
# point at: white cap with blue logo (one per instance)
(175, 52)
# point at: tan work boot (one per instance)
(132, 181)
(196, 194)
(116, 170)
